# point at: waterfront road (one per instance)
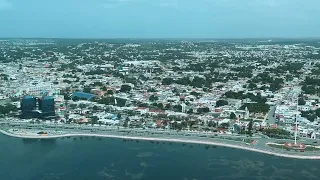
(31, 130)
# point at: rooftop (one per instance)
(28, 97)
(83, 95)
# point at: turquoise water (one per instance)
(102, 159)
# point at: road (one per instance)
(271, 119)
(55, 129)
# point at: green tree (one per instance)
(153, 98)
(168, 106)
(125, 88)
(94, 120)
(252, 85)
(256, 107)
(87, 89)
(301, 101)
(190, 111)
(167, 81)
(233, 115)
(221, 103)
(177, 108)
(203, 110)
(95, 108)
(195, 93)
(73, 106)
(224, 125)
(126, 122)
(109, 92)
(152, 90)
(6, 109)
(160, 106)
(210, 123)
(75, 98)
(250, 127)
(66, 97)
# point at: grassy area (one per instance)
(246, 140)
(308, 148)
(310, 144)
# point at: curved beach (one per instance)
(166, 140)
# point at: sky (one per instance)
(159, 18)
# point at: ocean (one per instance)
(90, 158)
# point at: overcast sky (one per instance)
(159, 18)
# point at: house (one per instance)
(156, 112)
(142, 110)
(97, 92)
(304, 108)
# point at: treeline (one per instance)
(275, 84)
(277, 133)
(5, 109)
(112, 101)
(311, 115)
(256, 107)
(240, 95)
(198, 82)
(291, 67)
(311, 85)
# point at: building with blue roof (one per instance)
(83, 95)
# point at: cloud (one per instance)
(169, 4)
(5, 4)
(116, 3)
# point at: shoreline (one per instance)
(175, 140)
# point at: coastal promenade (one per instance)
(167, 139)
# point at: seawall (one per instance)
(177, 140)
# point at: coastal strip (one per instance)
(177, 140)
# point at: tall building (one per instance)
(32, 107)
(46, 106)
(28, 106)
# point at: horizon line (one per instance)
(174, 38)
